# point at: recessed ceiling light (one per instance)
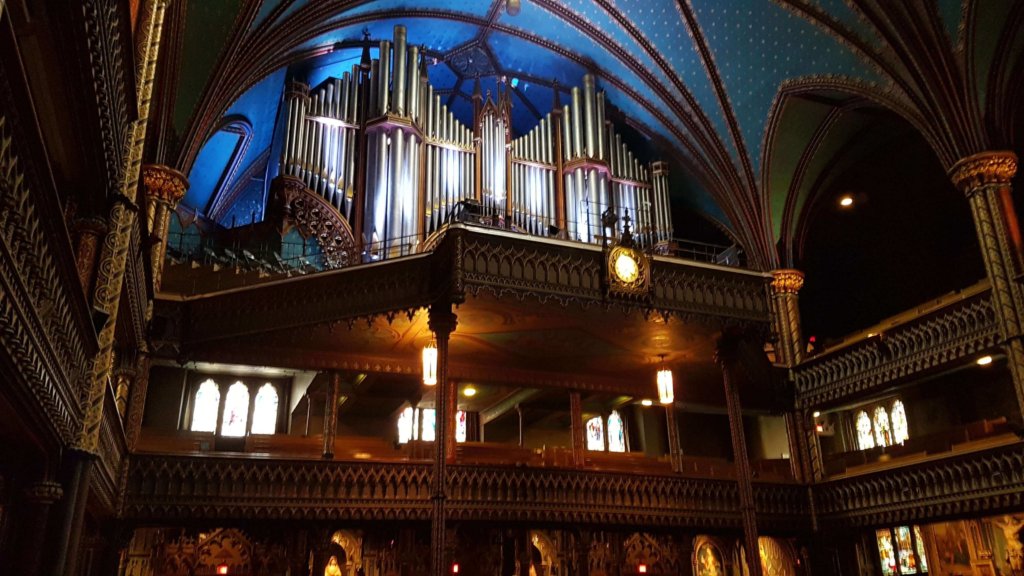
(469, 391)
(817, 414)
(846, 201)
(984, 361)
(647, 402)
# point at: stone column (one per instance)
(331, 415)
(164, 187)
(986, 180)
(579, 454)
(88, 232)
(726, 357)
(804, 452)
(442, 322)
(31, 529)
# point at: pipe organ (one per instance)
(380, 146)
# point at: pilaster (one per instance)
(442, 322)
(726, 356)
(985, 179)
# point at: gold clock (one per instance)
(628, 271)
(626, 267)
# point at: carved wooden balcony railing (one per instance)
(980, 482)
(46, 334)
(161, 487)
(937, 338)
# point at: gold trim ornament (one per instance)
(787, 281)
(629, 269)
(164, 184)
(984, 169)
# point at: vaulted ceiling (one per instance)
(753, 101)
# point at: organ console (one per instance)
(379, 146)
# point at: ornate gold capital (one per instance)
(984, 169)
(164, 184)
(787, 281)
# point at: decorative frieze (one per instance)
(948, 335)
(182, 487)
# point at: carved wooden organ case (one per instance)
(379, 146)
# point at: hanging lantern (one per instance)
(665, 391)
(430, 363)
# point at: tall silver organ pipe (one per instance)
(421, 161)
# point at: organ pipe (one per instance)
(380, 145)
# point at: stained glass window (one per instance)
(616, 436)
(920, 549)
(405, 425)
(595, 434)
(460, 426)
(908, 559)
(264, 413)
(901, 550)
(864, 437)
(899, 423)
(429, 421)
(886, 552)
(204, 407)
(882, 435)
(236, 411)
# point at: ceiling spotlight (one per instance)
(647, 402)
(469, 391)
(984, 361)
(817, 414)
(846, 201)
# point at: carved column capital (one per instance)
(164, 184)
(442, 320)
(787, 281)
(45, 492)
(984, 169)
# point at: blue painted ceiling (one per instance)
(691, 75)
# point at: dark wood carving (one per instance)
(182, 487)
(947, 335)
(978, 483)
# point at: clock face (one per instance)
(626, 268)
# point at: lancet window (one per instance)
(420, 424)
(264, 414)
(205, 407)
(881, 425)
(606, 433)
(235, 410)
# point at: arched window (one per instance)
(429, 419)
(900, 434)
(204, 407)
(460, 426)
(405, 425)
(616, 436)
(865, 439)
(236, 411)
(264, 413)
(883, 437)
(595, 434)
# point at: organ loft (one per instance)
(511, 288)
